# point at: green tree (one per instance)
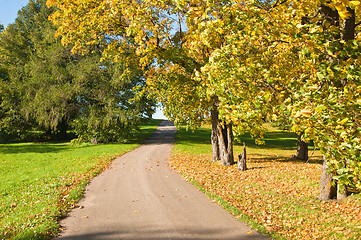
(55, 94)
(111, 103)
(12, 125)
(36, 66)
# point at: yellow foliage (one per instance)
(262, 60)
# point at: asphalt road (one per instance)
(140, 197)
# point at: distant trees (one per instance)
(45, 86)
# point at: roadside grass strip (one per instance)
(41, 182)
(276, 195)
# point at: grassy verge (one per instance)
(40, 182)
(276, 196)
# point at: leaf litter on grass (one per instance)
(282, 196)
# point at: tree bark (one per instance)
(225, 140)
(349, 25)
(242, 159)
(221, 138)
(327, 188)
(230, 144)
(302, 149)
(214, 136)
(341, 194)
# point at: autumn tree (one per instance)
(241, 63)
(161, 34)
(297, 57)
(325, 109)
(333, 102)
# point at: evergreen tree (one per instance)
(56, 89)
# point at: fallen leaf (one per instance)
(339, 229)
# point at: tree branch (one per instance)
(278, 2)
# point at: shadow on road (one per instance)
(165, 134)
(163, 234)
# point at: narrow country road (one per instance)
(140, 197)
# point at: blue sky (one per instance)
(8, 12)
(159, 114)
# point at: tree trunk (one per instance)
(242, 159)
(222, 137)
(225, 140)
(341, 194)
(302, 149)
(214, 136)
(48, 132)
(230, 144)
(327, 188)
(62, 129)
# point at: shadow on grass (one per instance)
(200, 136)
(252, 168)
(262, 158)
(276, 140)
(32, 148)
(137, 137)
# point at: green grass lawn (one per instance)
(278, 143)
(276, 195)
(40, 182)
